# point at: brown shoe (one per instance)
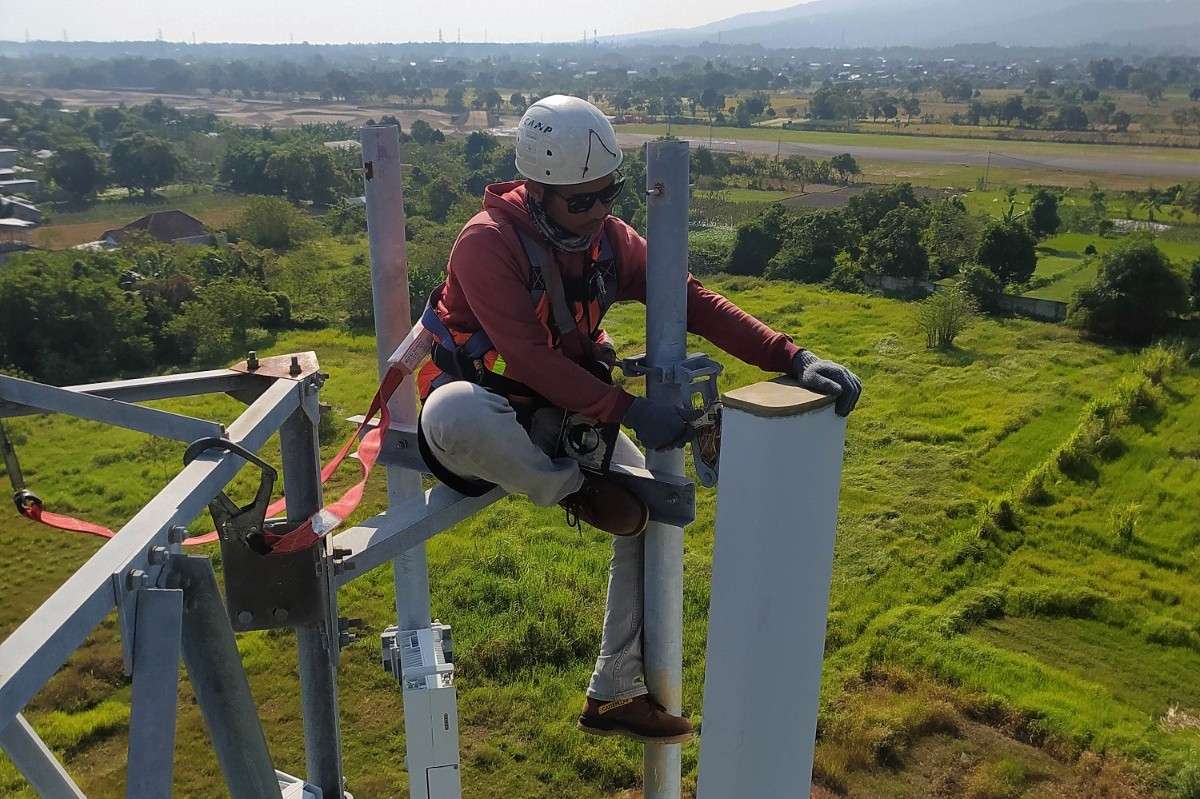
(606, 506)
(640, 718)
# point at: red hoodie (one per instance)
(487, 287)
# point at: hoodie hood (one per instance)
(508, 200)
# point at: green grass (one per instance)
(937, 436)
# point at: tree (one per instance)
(758, 241)
(424, 133)
(1007, 248)
(894, 247)
(867, 209)
(810, 250)
(950, 238)
(454, 99)
(944, 315)
(78, 169)
(1121, 120)
(845, 166)
(440, 196)
(1136, 296)
(63, 317)
(517, 101)
(1147, 82)
(911, 106)
(218, 321)
(1194, 95)
(143, 162)
(1043, 214)
(1072, 117)
(304, 172)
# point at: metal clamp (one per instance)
(696, 376)
(262, 591)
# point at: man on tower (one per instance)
(521, 345)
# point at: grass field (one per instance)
(997, 628)
(1030, 149)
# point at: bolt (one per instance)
(294, 368)
(245, 617)
(656, 191)
(177, 534)
(157, 555)
(280, 615)
(252, 360)
(673, 499)
(135, 579)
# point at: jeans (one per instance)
(475, 433)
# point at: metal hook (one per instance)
(656, 190)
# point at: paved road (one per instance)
(1183, 168)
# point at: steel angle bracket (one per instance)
(696, 377)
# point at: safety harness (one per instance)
(469, 359)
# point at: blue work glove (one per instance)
(658, 425)
(827, 377)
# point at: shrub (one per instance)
(981, 284)
(810, 251)
(1170, 632)
(1136, 296)
(708, 251)
(1124, 525)
(1090, 249)
(758, 241)
(847, 276)
(274, 222)
(1194, 285)
(944, 315)
(359, 304)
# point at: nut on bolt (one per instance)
(157, 555)
(135, 579)
(177, 534)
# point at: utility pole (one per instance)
(666, 346)
(987, 169)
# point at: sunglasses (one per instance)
(582, 203)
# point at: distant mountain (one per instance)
(931, 23)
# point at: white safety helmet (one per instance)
(563, 140)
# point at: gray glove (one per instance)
(658, 425)
(827, 377)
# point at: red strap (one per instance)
(31, 508)
(328, 518)
(320, 524)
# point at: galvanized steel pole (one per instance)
(666, 346)
(389, 284)
(317, 643)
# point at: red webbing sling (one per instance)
(321, 523)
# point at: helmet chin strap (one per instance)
(556, 234)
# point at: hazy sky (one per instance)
(365, 21)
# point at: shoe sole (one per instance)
(670, 739)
